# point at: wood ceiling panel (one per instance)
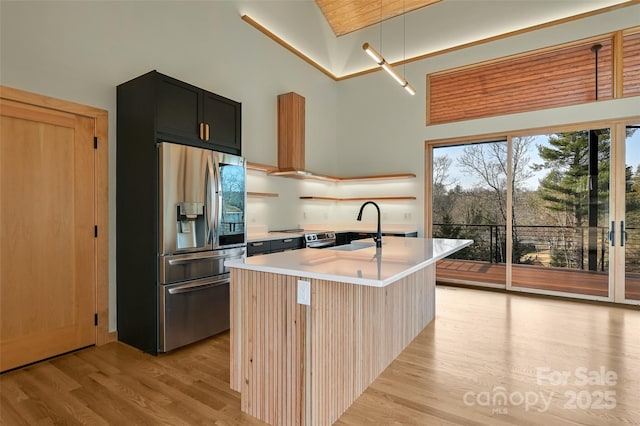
(345, 16)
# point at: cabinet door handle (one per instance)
(206, 132)
(201, 131)
(257, 244)
(288, 240)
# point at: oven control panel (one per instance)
(320, 239)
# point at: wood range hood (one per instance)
(291, 137)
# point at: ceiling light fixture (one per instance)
(377, 57)
(388, 68)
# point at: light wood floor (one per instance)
(482, 343)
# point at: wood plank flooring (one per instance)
(482, 345)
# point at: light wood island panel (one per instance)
(298, 364)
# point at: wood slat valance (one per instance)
(561, 77)
(631, 65)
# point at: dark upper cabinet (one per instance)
(191, 115)
(222, 116)
(178, 108)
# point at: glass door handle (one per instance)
(623, 233)
(612, 233)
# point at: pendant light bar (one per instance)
(388, 68)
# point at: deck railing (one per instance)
(583, 248)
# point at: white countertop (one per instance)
(369, 266)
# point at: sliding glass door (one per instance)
(561, 212)
(550, 213)
(469, 200)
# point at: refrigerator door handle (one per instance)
(198, 285)
(236, 254)
(187, 261)
(218, 196)
(210, 195)
(207, 216)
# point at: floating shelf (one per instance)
(379, 198)
(261, 167)
(303, 174)
(378, 177)
(262, 194)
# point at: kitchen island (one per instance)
(311, 329)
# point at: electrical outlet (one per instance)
(304, 292)
(407, 216)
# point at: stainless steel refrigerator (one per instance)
(202, 199)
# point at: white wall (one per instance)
(80, 51)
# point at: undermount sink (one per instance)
(355, 245)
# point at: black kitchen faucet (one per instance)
(378, 237)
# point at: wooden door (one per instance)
(47, 244)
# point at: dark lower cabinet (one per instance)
(258, 247)
(343, 238)
(186, 114)
(359, 236)
(346, 237)
(274, 246)
(284, 244)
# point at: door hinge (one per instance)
(95, 319)
(95, 231)
(95, 142)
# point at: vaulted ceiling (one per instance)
(345, 16)
(413, 29)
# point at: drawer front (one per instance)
(192, 311)
(360, 235)
(191, 266)
(287, 244)
(258, 247)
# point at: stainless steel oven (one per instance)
(319, 239)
